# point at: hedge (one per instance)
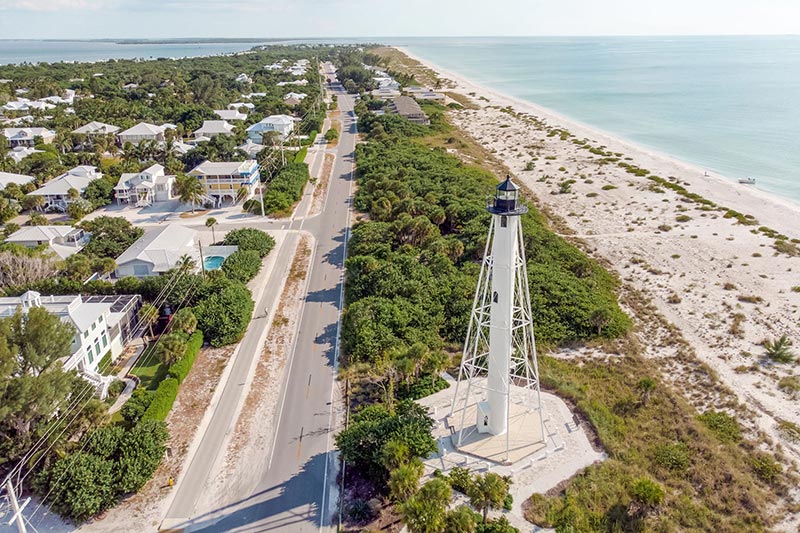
(163, 399)
(300, 157)
(180, 369)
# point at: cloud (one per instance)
(52, 5)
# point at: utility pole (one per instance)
(15, 506)
(261, 195)
(202, 262)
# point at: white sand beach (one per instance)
(722, 283)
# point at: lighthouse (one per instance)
(499, 358)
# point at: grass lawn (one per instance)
(104, 366)
(150, 370)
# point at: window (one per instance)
(97, 346)
(105, 342)
(495, 297)
(503, 222)
(89, 353)
(140, 270)
(85, 334)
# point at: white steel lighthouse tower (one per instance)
(499, 366)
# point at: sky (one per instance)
(76, 19)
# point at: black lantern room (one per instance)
(506, 200)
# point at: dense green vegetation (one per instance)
(283, 191)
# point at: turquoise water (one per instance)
(727, 104)
(18, 51)
(213, 262)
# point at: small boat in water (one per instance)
(747, 181)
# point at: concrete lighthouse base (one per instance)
(523, 438)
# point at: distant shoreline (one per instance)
(199, 40)
(714, 185)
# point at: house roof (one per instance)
(69, 308)
(77, 178)
(161, 247)
(230, 114)
(232, 168)
(214, 127)
(27, 133)
(39, 233)
(144, 128)
(406, 106)
(10, 177)
(135, 179)
(95, 127)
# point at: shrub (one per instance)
(163, 399)
(301, 155)
(460, 479)
(765, 467)
(647, 492)
(250, 239)
(283, 191)
(779, 350)
(136, 405)
(242, 265)
(724, 426)
(673, 457)
(683, 218)
(170, 348)
(181, 369)
(331, 135)
(608, 187)
(223, 316)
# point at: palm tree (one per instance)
(148, 315)
(488, 491)
(189, 189)
(170, 349)
(186, 262)
(33, 201)
(210, 223)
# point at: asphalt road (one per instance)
(294, 494)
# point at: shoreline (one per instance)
(715, 282)
(769, 208)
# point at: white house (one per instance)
(283, 124)
(18, 153)
(144, 188)
(230, 114)
(296, 96)
(160, 249)
(239, 105)
(26, 136)
(244, 78)
(225, 181)
(250, 148)
(25, 105)
(295, 82)
(56, 191)
(253, 95)
(63, 240)
(7, 178)
(142, 132)
(96, 128)
(102, 324)
(212, 128)
(130, 86)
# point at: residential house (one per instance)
(253, 95)
(244, 78)
(7, 178)
(384, 93)
(63, 240)
(56, 191)
(407, 107)
(26, 136)
(250, 148)
(130, 86)
(24, 105)
(225, 181)
(239, 105)
(212, 128)
(161, 249)
(21, 152)
(295, 82)
(230, 114)
(283, 124)
(102, 325)
(144, 188)
(96, 128)
(142, 132)
(423, 93)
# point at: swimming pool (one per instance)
(213, 262)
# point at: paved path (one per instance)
(294, 494)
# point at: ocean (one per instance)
(32, 51)
(727, 104)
